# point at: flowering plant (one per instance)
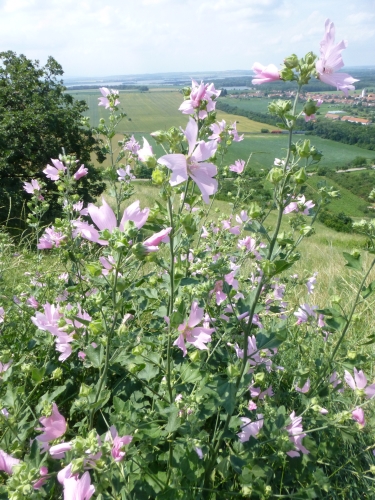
(163, 350)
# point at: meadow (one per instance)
(155, 110)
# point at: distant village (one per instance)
(366, 100)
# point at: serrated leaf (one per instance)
(149, 372)
(37, 374)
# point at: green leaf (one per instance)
(149, 372)
(280, 417)
(237, 463)
(227, 392)
(352, 261)
(190, 374)
(366, 292)
(174, 421)
(95, 355)
(37, 374)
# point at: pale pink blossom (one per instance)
(218, 129)
(81, 172)
(78, 207)
(51, 238)
(31, 187)
(310, 283)
(54, 426)
(194, 165)
(4, 366)
(238, 166)
(2, 314)
(43, 471)
(249, 244)
(146, 152)
(132, 145)
(250, 429)
(299, 206)
(305, 388)
(107, 94)
(125, 174)
(296, 435)
(256, 356)
(265, 74)
(190, 332)
(359, 415)
(220, 296)
(331, 61)
(233, 132)
(118, 443)
(256, 392)
(200, 94)
(78, 489)
(199, 452)
(359, 383)
(153, 241)
(104, 218)
(54, 172)
(7, 462)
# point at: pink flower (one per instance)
(125, 174)
(299, 206)
(53, 173)
(117, 452)
(305, 388)
(31, 187)
(43, 471)
(199, 452)
(233, 132)
(359, 383)
(2, 314)
(218, 129)
(81, 172)
(238, 166)
(146, 152)
(132, 145)
(78, 489)
(296, 435)
(255, 356)
(104, 218)
(190, 332)
(108, 96)
(250, 245)
(310, 283)
(218, 291)
(265, 74)
(51, 238)
(250, 428)
(78, 207)
(201, 94)
(7, 462)
(359, 415)
(256, 392)
(4, 366)
(194, 165)
(153, 241)
(54, 426)
(331, 61)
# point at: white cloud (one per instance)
(92, 37)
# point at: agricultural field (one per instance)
(267, 147)
(150, 111)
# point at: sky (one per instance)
(113, 37)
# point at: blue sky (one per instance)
(96, 38)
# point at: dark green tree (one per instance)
(37, 119)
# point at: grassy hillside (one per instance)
(150, 111)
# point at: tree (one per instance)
(37, 119)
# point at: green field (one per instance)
(150, 111)
(267, 147)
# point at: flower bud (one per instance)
(140, 251)
(310, 107)
(275, 175)
(254, 211)
(300, 177)
(291, 62)
(56, 374)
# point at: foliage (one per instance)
(159, 353)
(340, 222)
(37, 120)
